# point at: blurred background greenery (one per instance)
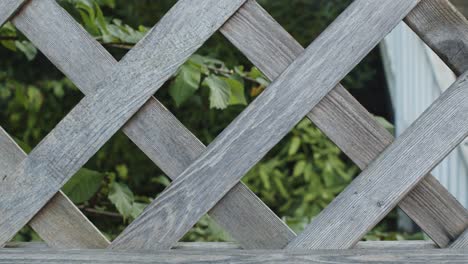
(297, 179)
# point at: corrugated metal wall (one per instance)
(416, 77)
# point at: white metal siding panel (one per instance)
(416, 77)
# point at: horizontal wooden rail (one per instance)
(407, 245)
(36, 256)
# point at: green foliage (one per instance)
(124, 200)
(83, 185)
(106, 29)
(226, 86)
(11, 41)
(302, 175)
(185, 84)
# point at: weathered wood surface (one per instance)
(378, 189)
(340, 116)
(154, 129)
(440, 215)
(406, 245)
(96, 118)
(444, 29)
(462, 241)
(264, 123)
(37, 256)
(431, 190)
(64, 226)
(461, 5)
(8, 8)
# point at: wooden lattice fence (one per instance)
(207, 179)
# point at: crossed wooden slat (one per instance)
(154, 129)
(346, 122)
(168, 45)
(34, 33)
(376, 39)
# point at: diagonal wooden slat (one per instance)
(33, 24)
(8, 8)
(96, 118)
(154, 129)
(80, 232)
(264, 123)
(462, 241)
(444, 29)
(379, 188)
(345, 121)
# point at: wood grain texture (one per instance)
(63, 226)
(444, 29)
(462, 241)
(97, 117)
(346, 122)
(461, 5)
(8, 8)
(378, 189)
(264, 123)
(440, 215)
(406, 245)
(36, 256)
(154, 129)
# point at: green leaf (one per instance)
(137, 209)
(122, 171)
(294, 147)
(299, 168)
(27, 48)
(185, 84)
(83, 185)
(237, 92)
(122, 197)
(264, 177)
(220, 92)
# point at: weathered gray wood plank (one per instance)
(36, 256)
(461, 5)
(154, 129)
(8, 8)
(96, 118)
(344, 120)
(462, 241)
(440, 215)
(444, 29)
(379, 188)
(64, 226)
(264, 123)
(385, 245)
